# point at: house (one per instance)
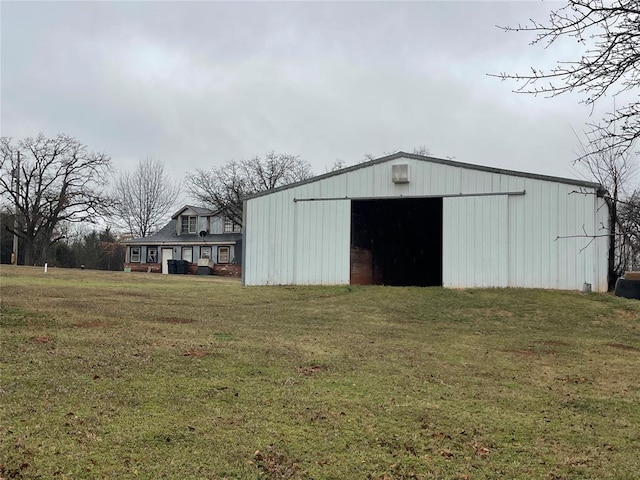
(194, 234)
(408, 219)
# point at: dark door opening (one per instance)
(396, 242)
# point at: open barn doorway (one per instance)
(396, 242)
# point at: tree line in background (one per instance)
(48, 184)
(222, 188)
(93, 249)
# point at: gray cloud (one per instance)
(196, 84)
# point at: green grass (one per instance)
(116, 375)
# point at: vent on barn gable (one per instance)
(400, 173)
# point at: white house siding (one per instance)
(216, 225)
(491, 240)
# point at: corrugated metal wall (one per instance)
(321, 242)
(475, 242)
(502, 240)
(546, 238)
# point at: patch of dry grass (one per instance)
(116, 375)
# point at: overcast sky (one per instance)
(195, 84)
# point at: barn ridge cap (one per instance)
(441, 161)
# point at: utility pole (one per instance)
(16, 224)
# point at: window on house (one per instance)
(223, 254)
(135, 254)
(187, 254)
(205, 252)
(152, 255)
(188, 224)
(231, 226)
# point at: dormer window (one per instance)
(231, 226)
(188, 224)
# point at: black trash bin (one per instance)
(181, 267)
(171, 265)
(628, 288)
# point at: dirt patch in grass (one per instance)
(277, 465)
(533, 350)
(554, 343)
(575, 379)
(91, 324)
(627, 315)
(622, 346)
(310, 370)
(129, 293)
(489, 312)
(176, 320)
(43, 339)
(524, 353)
(196, 353)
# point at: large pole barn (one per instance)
(408, 219)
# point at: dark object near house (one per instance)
(171, 265)
(628, 288)
(181, 267)
(204, 270)
(205, 266)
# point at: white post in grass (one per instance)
(45, 268)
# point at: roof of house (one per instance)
(440, 161)
(168, 235)
(197, 210)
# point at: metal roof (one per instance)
(440, 161)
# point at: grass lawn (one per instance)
(125, 375)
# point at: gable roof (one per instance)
(168, 235)
(196, 210)
(439, 161)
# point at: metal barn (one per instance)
(408, 219)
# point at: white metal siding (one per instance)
(322, 243)
(475, 250)
(488, 241)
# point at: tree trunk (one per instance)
(613, 218)
(28, 251)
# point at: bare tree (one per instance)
(49, 181)
(612, 167)
(420, 150)
(338, 164)
(629, 216)
(610, 62)
(275, 170)
(144, 198)
(222, 188)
